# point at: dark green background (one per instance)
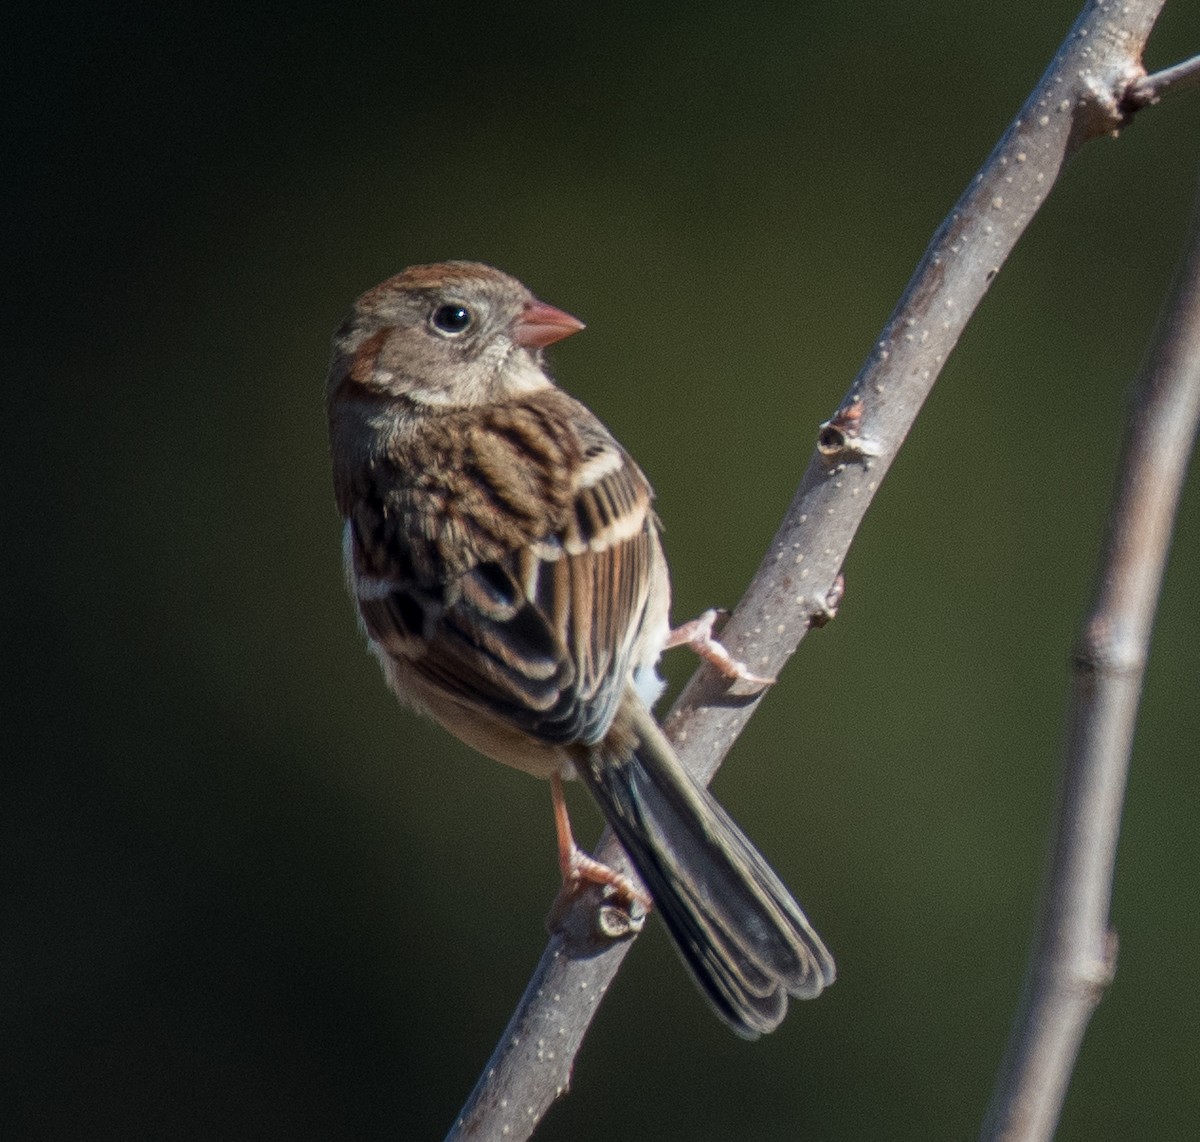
(244, 895)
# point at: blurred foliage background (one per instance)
(245, 895)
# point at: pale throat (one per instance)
(521, 374)
(516, 375)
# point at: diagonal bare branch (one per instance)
(1080, 97)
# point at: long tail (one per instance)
(744, 939)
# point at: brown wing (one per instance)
(516, 578)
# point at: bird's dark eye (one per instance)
(451, 318)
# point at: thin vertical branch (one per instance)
(1074, 952)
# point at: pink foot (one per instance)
(698, 634)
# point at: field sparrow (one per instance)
(505, 560)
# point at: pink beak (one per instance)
(541, 324)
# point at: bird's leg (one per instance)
(698, 635)
(577, 867)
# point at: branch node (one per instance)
(1104, 649)
(616, 923)
(586, 931)
(1101, 109)
(840, 439)
(833, 600)
(1090, 976)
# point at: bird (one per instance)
(504, 557)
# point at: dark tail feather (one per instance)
(742, 936)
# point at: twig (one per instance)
(1074, 952)
(799, 582)
(1151, 88)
